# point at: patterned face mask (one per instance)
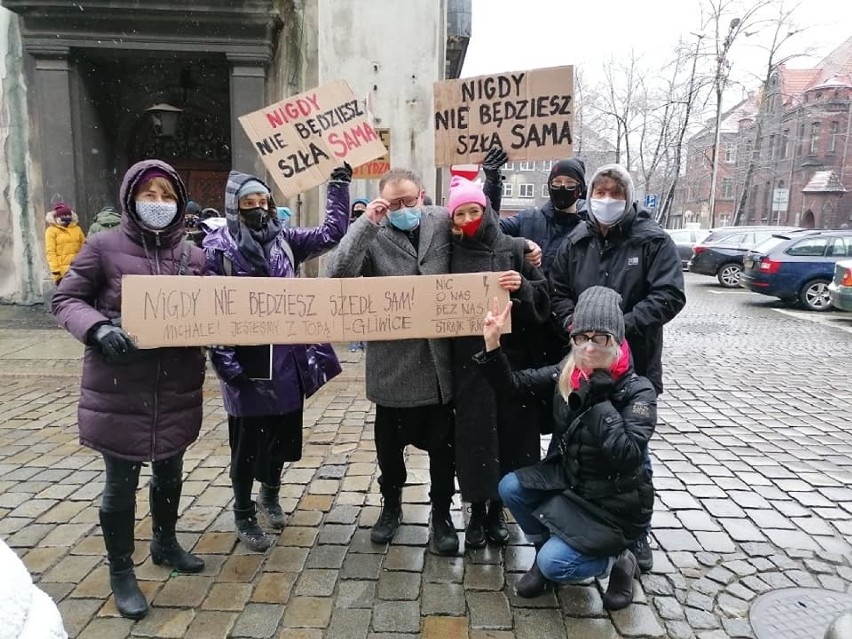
(156, 215)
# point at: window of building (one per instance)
(833, 137)
(510, 166)
(814, 138)
(545, 192)
(801, 139)
(772, 141)
(730, 153)
(547, 165)
(727, 188)
(507, 189)
(527, 166)
(527, 191)
(782, 145)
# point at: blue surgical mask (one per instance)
(404, 219)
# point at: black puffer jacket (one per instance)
(605, 497)
(640, 261)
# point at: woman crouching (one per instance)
(590, 498)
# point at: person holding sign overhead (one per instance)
(264, 388)
(493, 434)
(135, 406)
(410, 381)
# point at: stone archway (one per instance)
(808, 220)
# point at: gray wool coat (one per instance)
(412, 372)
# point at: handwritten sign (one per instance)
(374, 169)
(528, 113)
(166, 310)
(301, 139)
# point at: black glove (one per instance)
(597, 388)
(342, 174)
(114, 344)
(240, 379)
(494, 161)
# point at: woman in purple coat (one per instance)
(135, 406)
(265, 412)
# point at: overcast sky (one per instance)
(512, 35)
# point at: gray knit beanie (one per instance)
(599, 309)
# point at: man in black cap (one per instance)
(549, 225)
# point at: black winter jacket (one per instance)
(640, 261)
(603, 498)
(493, 434)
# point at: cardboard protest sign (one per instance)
(528, 113)
(301, 139)
(374, 169)
(169, 310)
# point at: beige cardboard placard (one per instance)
(374, 169)
(528, 113)
(301, 139)
(170, 310)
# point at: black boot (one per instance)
(165, 549)
(641, 549)
(389, 519)
(443, 531)
(248, 531)
(533, 583)
(118, 539)
(495, 523)
(270, 507)
(475, 532)
(619, 592)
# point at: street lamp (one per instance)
(165, 119)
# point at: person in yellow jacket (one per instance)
(63, 239)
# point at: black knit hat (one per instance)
(573, 168)
(599, 309)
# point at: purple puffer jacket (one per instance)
(148, 408)
(298, 370)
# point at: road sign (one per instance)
(650, 201)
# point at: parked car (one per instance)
(685, 240)
(840, 289)
(723, 256)
(797, 266)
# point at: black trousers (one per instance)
(429, 428)
(122, 479)
(260, 446)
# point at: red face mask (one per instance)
(470, 228)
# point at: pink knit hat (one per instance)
(464, 192)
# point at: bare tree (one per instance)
(617, 102)
(746, 18)
(783, 30)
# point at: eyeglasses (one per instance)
(406, 202)
(565, 186)
(598, 339)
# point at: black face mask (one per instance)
(254, 218)
(563, 198)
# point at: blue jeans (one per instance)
(557, 560)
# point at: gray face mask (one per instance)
(156, 215)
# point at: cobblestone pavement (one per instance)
(751, 462)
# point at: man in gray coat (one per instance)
(408, 380)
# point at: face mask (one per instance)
(156, 215)
(607, 211)
(65, 221)
(254, 218)
(404, 219)
(470, 228)
(563, 198)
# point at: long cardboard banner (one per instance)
(302, 138)
(167, 310)
(528, 113)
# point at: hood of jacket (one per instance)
(232, 204)
(108, 217)
(620, 175)
(50, 218)
(130, 224)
